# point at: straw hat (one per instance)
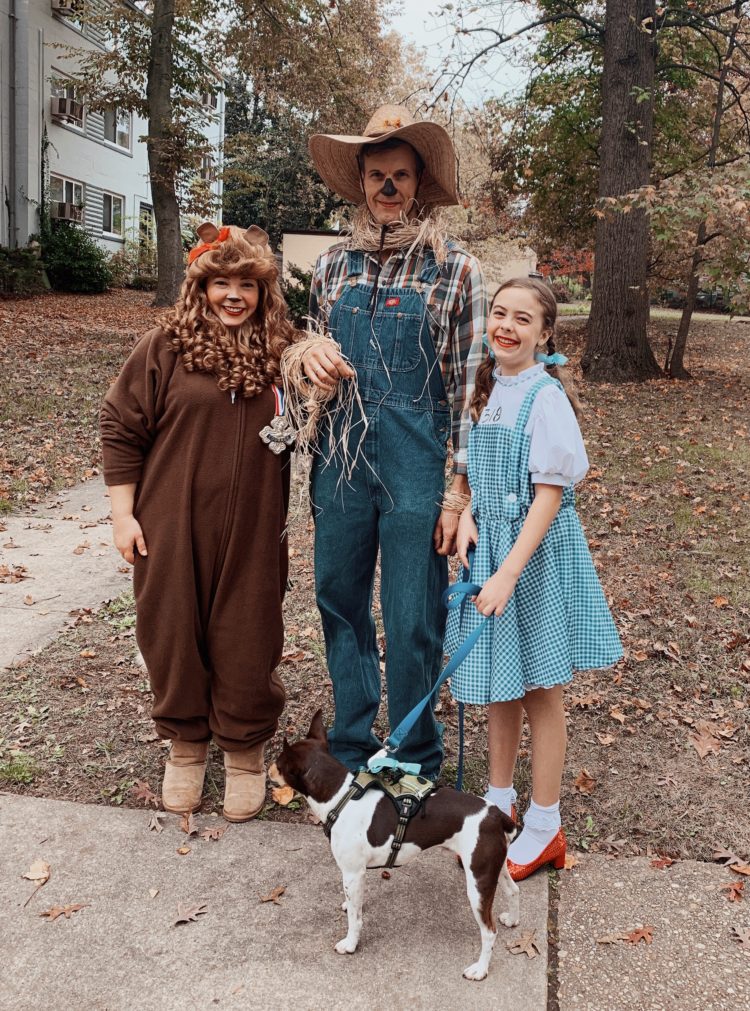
(335, 155)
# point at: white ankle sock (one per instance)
(501, 796)
(540, 826)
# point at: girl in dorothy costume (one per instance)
(547, 612)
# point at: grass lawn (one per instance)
(658, 747)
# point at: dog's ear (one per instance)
(317, 730)
(208, 231)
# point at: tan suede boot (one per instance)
(182, 788)
(245, 787)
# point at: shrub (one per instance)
(21, 273)
(297, 295)
(135, 265)
(74, 261)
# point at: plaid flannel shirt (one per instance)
(457, 306)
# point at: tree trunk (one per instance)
(161, 155)
(676, 366)
(617, 348)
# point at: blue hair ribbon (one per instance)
(555, 359)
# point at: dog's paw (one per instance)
(508, 920)
(346, 947)
(476, 971)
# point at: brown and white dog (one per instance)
(361, 836)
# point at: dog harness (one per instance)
(406, 792)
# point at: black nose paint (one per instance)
(389, 190)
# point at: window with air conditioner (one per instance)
(113, 208)
(65, 199)
(66, 102)
(117, 127)
(65, 191)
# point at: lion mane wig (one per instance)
(245, 358)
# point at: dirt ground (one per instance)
(658, 747)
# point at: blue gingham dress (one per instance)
(557, 619)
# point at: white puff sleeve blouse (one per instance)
(557, 454)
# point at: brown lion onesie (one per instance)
(183, 423)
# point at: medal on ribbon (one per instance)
(279, 435)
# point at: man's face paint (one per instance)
(390, 180)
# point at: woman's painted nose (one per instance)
(389, 190)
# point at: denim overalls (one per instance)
(392, 501)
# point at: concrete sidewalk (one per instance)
(45, 540)
(123, 951)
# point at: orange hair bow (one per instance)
(220, 235)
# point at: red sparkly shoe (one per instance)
(553, 853)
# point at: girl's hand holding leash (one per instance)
(496, 592)
(324, 366)
(466, 537)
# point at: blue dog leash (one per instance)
(453, 597)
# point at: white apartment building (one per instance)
(97, 164)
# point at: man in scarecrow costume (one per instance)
(407, 308)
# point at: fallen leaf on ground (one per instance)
(726, 857)
(214, 834)
(282, 795)
(274, 895)
(606, 739)
(525, 945)
(733, 891)
(743, 936)
(142, 791)
(189, 914)
(617, 714)
(613, 938)
(66, 911)
(39, 872)
(386, 875)
(28, 600)
(187, 824)
(88, 654)
(154, 822)
(81, 548)
(13, 573)
(720, 602)
(153, 892)
(183, 850)
(661, 862)
(740, 869)
(641, 934)
(571, 861)
(704, 743)
(585, 782)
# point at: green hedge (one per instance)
(21, 273)
(74, 261)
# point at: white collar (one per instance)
(533, 372)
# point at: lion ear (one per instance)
(208, 231)
(256, 235)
